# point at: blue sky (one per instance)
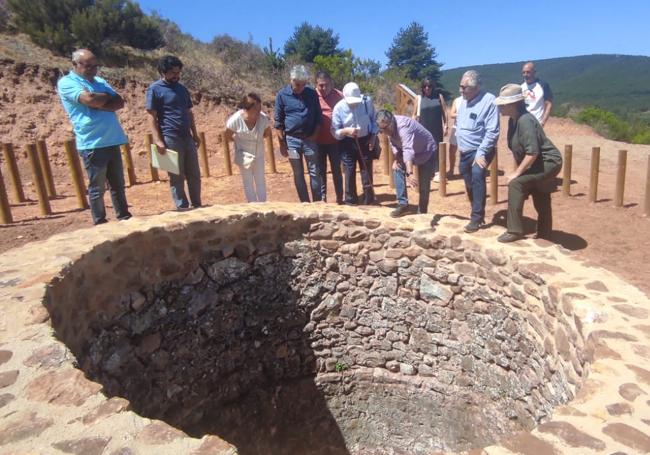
(464, 33)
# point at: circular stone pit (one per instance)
(329, 332)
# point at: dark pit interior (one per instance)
(297, 334)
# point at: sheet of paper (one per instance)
(167, 162)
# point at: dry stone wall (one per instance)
(464, 339)
(283, 328)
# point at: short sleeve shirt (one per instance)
(172, 103)
(535, 95)
(247, 139)
(93, 128)
(526, 137)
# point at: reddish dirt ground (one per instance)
(613, 238)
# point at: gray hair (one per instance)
(473, 78)
(79, 54)
(299, 73)
(384, 116)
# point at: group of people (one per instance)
(318, 125)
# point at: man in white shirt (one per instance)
(537, 94)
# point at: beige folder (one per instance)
(167, 162)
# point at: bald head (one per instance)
(85, 63)
(528, 72)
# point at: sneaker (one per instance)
(473, 226)
(101, 221)
(508, 237)
(124, 217)
(401, 210)
(436, 178)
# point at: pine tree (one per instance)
(412, 53)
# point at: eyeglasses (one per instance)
(89, 67)
(465, 87)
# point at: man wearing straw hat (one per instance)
(91, 103)
(477, 132)
(538, 162)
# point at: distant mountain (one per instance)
(617, 83)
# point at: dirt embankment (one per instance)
(615, 238)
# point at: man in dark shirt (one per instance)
(172, 124)
(297, 120)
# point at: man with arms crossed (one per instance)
(91, 104)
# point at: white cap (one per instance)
(351, 93)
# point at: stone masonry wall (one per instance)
(206, 327)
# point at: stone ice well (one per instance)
(310, 330)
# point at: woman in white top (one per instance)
(248, 126)
(453, 146)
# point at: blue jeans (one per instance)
(474, 177)
(350, 156)
(188, 162)
(333, 152)
(104, 164)
(308, 149)
(425, 171)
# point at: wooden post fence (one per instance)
(494, 178)
(44, 159)
(39, 181)
(128, 163)
(147, 145)
(74, 166)
(5, 208)
(204, 156)
(593, 181)
(270, 155)
(226, 154)
(566, 170)
(14, 175)
(620, 178)
(442, 169)
(646, 212)
(386, 153)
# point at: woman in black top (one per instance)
(538, 162)
(431, 111)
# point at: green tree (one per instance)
(339, 66)
(62, 25)
(47, 22)
(308, 41)
(412, 52)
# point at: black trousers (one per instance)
(537, 185)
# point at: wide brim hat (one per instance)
(352, 93)
(509, 93)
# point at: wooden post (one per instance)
(270, 155)
(391, 176)
(128, 163)
(226, 155)
(75, 172)
(566, 170)
(204, 156)
(39, 182)
(154, 172)
(44, 159)
(593, 181)
(494, 178)
(620, 178)
(5, 208)
(14, 175)
(442, 169)
(386, 153)
(646, 211)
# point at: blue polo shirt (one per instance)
(93, 128)
(172, 103)
(297, 115)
